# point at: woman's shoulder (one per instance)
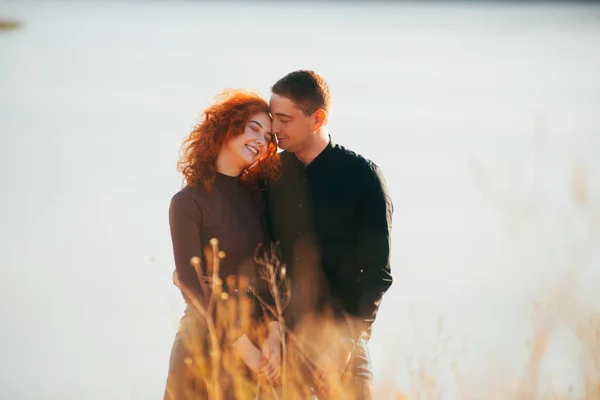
(189, 196)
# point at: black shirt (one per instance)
(333, 222)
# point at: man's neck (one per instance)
(316, 147)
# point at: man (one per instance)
(331, 213)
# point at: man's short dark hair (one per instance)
(305, 88)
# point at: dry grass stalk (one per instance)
(203, 311)
(296, 385)
(274, 273)
(226, 316)
(299, 370)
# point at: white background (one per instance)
(477, 114)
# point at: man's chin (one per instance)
(283, 146)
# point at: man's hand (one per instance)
(271, 354)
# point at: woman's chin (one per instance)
(251, 164)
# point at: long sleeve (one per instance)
(373, 246)
(185, 220)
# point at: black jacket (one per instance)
(333, 222)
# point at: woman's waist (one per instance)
(232, 285)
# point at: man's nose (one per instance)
(275, 128)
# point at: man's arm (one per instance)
(373, 247)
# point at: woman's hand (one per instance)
(271, 354)
(249, 354)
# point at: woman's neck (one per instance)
(225, 166)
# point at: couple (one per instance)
(328, 210)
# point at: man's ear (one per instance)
(319, 118)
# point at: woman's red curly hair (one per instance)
(224, 120)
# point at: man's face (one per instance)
(292, 127)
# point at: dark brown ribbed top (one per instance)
(231, 212)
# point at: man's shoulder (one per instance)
(353, 159)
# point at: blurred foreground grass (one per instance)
(562, 306)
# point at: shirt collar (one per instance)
(319, 160)
(323, 155)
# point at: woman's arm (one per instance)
(186, 220)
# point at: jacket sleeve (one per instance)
(373, 246)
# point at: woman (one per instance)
(227, 153)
